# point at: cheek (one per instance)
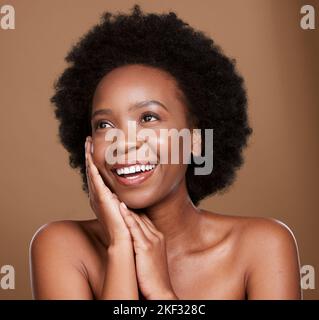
(173, 170)
(171, 150)
(159, 146)
(100, 160)
(174, 167)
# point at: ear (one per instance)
(196, 142)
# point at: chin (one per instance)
(140, 200)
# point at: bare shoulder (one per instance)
(55, 229)
(77, 239)
(267, 236)
(65, 233)
(61, 252)
(273, 270)
(268, 254)
(253, 232)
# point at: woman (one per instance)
(149, 239)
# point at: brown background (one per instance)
(278, 59)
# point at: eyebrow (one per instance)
(137, 105)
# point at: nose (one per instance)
(127, 141)
(126, 145)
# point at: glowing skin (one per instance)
(119, 95)
(180, 251)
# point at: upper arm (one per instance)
(55, 269)
(274, 269)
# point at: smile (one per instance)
(134, 174)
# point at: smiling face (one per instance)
(149, 97)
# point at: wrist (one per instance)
(119, 246)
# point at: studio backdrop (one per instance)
(276, 49)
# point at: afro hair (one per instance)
(212, 87)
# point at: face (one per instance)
(150, 98)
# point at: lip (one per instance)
(136, 179)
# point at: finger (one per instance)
(88, 178)
(94, 172)
(145, 227)
(149, 233)
(139, 237)
(150, 224)
(91, 168)
(97, 181)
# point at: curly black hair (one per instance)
(213, 89)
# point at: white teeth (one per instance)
(133, 169)
(126, 170)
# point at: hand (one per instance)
(103, 202)
(150, 256)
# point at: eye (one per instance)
(102, 125)
(149, 117)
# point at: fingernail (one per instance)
(92, 148)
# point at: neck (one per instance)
(177, 218)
